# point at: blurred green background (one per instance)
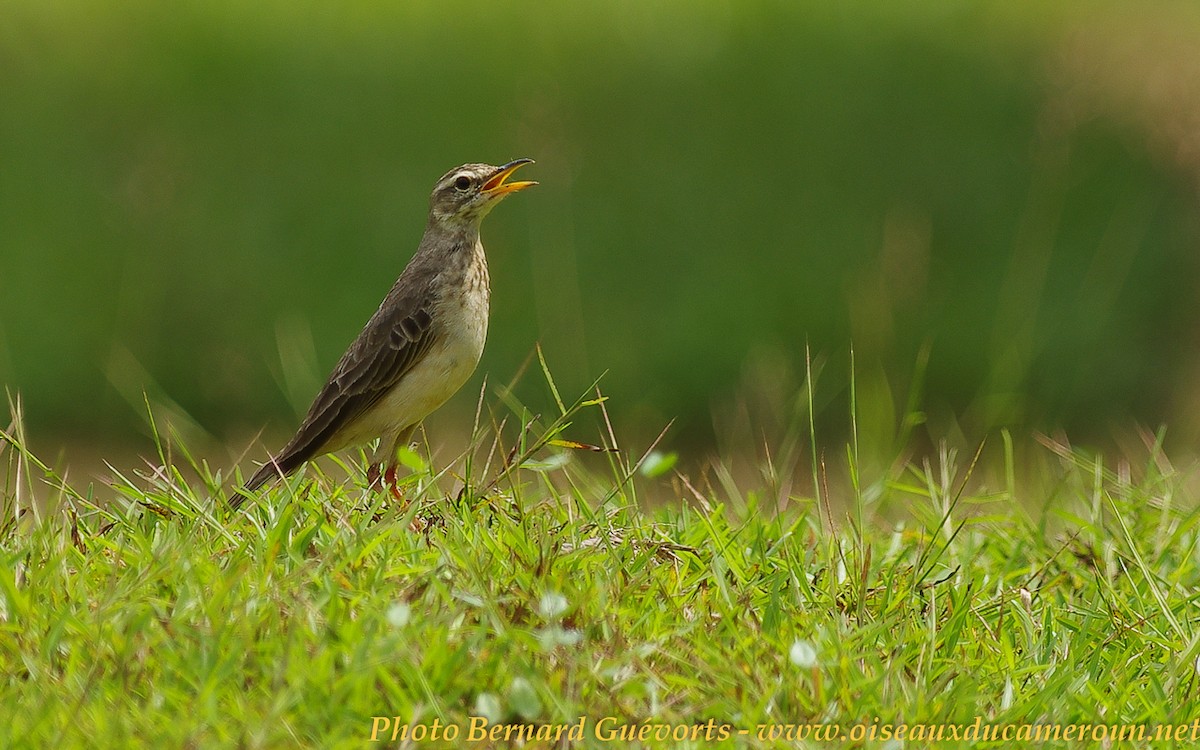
(205, 200)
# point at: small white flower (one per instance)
(523, 698)
(554, 636)
(399, 614)
(552, 605)
(488, 706)
(803, 655)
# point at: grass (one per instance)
(528, 583)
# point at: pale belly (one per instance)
(440, 373)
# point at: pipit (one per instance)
(422, 343)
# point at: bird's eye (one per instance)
(462, 183)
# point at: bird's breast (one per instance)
(439, 373)
(460, 322)
(462, 308)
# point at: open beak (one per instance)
(495, 187)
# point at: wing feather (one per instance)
(384, 352)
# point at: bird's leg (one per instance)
(389, 478)
(373, 476)
(391, 461)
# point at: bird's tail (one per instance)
(277, 468)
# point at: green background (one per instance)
(205, 200)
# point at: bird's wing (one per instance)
(388, 347)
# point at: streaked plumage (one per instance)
(423, 342)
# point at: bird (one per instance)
(421, 344)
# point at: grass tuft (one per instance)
(526, 581)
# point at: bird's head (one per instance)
(466, 194)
